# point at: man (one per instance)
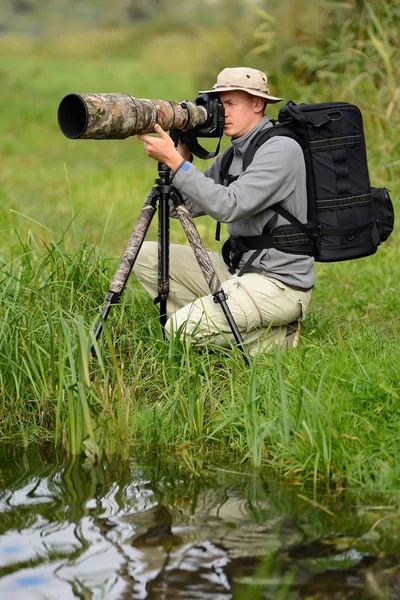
(269, 299)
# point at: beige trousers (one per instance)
(260, 305)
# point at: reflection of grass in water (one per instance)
(273, 539)
(327, 412)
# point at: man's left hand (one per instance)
(161, 148)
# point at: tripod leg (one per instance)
(207, 268)
(128, 260)
(163, 257)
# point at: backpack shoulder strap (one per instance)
(225, 179)
(226, 163)
(280, 129)
(264, 135)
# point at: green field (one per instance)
(327, 413)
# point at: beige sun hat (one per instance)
(248, 80)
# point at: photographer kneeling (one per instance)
(268, 290)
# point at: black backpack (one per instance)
(346, 217)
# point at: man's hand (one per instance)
(162, 148)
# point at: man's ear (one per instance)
(259, 104)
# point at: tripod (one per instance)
(161, 194)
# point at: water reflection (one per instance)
(140, 529)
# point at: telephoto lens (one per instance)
(118, 116)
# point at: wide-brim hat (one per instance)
(248, 80)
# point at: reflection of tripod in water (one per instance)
(162, 193)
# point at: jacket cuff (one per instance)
(184, 166)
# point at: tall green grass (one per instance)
(327, 413)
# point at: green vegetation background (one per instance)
(329, 412)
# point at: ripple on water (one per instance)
(141, 530)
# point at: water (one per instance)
(143, 529)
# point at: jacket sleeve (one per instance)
(270, 178)
(212, 172)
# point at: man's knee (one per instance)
(181, 326)
(189, 322)
(201, 322)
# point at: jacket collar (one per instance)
(240, 144)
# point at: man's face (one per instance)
(242, 112)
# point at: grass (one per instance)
(327, 414)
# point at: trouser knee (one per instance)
(190, 324)
(201, 322)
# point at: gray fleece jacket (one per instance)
(276, 175)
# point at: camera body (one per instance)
(214, 126)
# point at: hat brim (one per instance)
(271, 99)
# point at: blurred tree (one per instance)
(23, 6)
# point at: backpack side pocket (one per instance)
(383, 210)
